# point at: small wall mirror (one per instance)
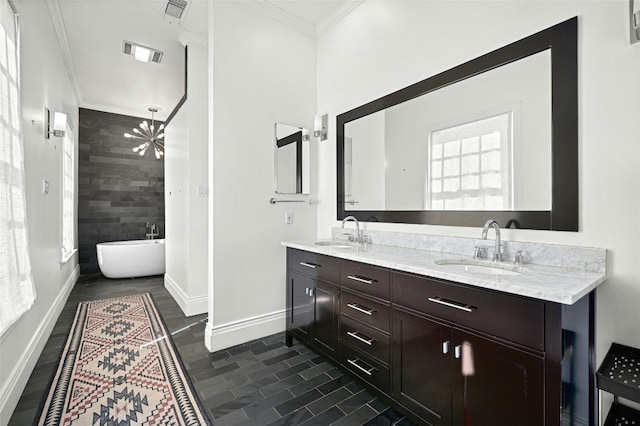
(291, 159)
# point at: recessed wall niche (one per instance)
(118, 190)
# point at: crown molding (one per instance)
(187, 38)
(332, 20)
(63, 41)
(284, 17)
(273, 11)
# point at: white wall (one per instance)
(263, 73)
(176, 204)
(185, 170)
(44, 83)
(384, 46)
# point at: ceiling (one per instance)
(92, 35)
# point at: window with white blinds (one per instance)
(470, 165)
(17, 291)
(68, 195)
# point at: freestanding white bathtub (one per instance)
(128, 259)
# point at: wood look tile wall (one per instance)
(118, 190)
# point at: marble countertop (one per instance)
(548, 283)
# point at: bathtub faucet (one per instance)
(152, 231)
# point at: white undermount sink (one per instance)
(482, 267)
(335, 244)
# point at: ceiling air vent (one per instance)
(174, 12)
(141, 53)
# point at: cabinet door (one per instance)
(300, 305)
(503, 385)
(327, 307)
(421, 366)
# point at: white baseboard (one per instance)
(242, 331)
(189, 305)
(14, 386)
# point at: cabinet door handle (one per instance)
(354, 362)
(369, 340)
(364, 310)
(311, 292)
(360, 279)
(445, 347)
(457, 351)
(310, 265)
(450, 303)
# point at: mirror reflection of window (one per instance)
(471, 165)
(390, 168)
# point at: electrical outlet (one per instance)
(45, 186)
(288, 218)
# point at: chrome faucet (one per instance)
(353, 238)
(152, 231)
(497, 253)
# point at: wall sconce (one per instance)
(321, 127)
(59, 124)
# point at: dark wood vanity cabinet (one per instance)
(326, 308)
(497, 336)
(313, 301)
(300, 305)
(422, 366)
(506, 387)
(408, 336)
(365, 312)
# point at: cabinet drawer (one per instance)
(365, 278)
(509, 317)
(365, 367)
(314, 265)
(365, 338)
(362, 308)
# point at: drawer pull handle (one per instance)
(309, 265)
(360, 279)
(369, 340)
(451, 304)
(358, 308)
(354, 362)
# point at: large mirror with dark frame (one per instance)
(493, 138)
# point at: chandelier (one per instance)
(150, 136)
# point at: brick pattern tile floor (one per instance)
(261, 382)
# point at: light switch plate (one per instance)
(202, 190)
(288, 217)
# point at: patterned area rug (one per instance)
(120, 367)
